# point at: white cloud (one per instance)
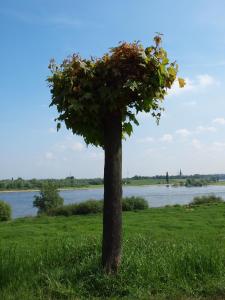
(206, 80)
(196, 144)
(76, 146)
(176, 90)
(52, 130)
(49, 156)
(146, 139)
(43, 19)
(190, 103)
(149, 151)
(168, 138)
(183, 132)
(143, 116)
(219, 145)
(69, 144)
(96, 155)
(201, 82)
(63, 20)
(220, 121)
(200, 129)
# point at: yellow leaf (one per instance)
(172, 72)
(181, 82)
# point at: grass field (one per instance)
(168, 253)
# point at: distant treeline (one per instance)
(71, 182)
(210, 177)
(20, 184)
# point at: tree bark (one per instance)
(112, 211)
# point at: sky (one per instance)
(191, 133)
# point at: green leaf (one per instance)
(127, 127)
(165, 61)
(133, 86)
(172, 71)
(58, 126)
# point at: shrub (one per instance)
(209, 199)
(64, 210)
(5, 211)
(196, 182)
(173, 205)
(96, 206)
(134, 203)
(49, 198)
(89, 207)
(84, 208)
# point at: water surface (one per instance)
(156, 196)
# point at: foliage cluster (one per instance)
(49, 198)
(96, 206)
(209, 199)
(196, 182)
(134, 203)
(5, 211)
(71, 182)
(127, 80)
(68, 182)
(84, 208)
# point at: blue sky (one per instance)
(191, 134)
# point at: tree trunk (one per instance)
(112, 212)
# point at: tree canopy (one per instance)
(127, 80)
(49, 198)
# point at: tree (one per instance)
(49, 198)
(98, 98)
(167, 177)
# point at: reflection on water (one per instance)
(21, 202)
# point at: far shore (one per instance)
(60, 189)
(98, 187)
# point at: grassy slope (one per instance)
(171, 252)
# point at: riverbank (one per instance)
(169, 253)
(134, 183)
(60, 189)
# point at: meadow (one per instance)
(175, 252)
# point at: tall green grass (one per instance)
(64, 269)
(168, 253)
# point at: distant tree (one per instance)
(167, 178)
(49, 198)
(98, 98)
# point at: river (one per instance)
(22, 202)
